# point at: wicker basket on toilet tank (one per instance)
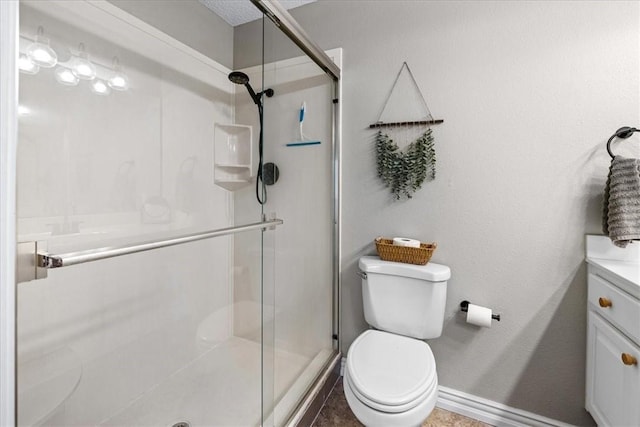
(387, 251)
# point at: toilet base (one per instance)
(373, 418)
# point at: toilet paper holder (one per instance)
(464, 306)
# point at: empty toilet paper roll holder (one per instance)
(464, 306)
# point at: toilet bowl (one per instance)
(390, 380)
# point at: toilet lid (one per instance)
(390, 370)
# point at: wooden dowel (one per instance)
(422, 122)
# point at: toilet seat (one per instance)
(390, 373)
(389, 409)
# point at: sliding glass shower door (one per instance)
(299, 143)
(126, 135)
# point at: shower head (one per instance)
(239, 78)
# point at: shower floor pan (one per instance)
(222, 388)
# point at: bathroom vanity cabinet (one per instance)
(613, 334)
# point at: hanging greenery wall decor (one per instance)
(406, 116)
(405, 171)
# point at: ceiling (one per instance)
(236, 12)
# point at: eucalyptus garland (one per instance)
(404, 172)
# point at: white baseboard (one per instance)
(486, 410)
(490, 412)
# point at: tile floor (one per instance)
(336, 413)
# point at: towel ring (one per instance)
(624, 132)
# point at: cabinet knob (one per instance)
(628, 359)
(605, 302)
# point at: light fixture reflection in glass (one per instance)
(82, 67)
(100, 87)
(26, 65)
(66, 77)
(119, 80)
(24, 111)
(40, 52)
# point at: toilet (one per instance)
(390, 376)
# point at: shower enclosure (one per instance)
(152, 288)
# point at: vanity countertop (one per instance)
(613, 263)
(626, 273)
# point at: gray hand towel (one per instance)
(621, 213)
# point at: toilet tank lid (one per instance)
(432, 272)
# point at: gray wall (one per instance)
(530, 92)
(188, 21)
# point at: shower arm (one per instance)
(257, 97)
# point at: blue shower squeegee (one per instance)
(301, 143)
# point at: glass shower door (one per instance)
(299, 143)
(123, 141)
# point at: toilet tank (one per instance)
(404, 299)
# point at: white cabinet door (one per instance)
(613, 388)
